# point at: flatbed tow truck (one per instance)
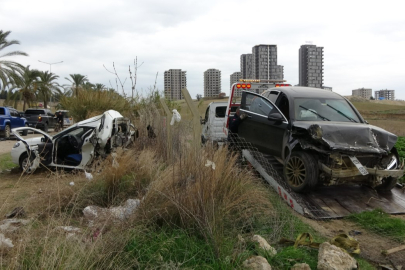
(325, 202)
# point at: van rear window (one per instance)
(220, 111)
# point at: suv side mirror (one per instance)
(276, 116)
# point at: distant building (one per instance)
(311, 66)
(174, 81)
(363, 92)
(212, 82)
(246, 66)
(384, 94)
(264, 62)
(234, 78)
(327, 88)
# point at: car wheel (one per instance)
(25, 132)
(46, 127)
(301, 171)
(7, 132)
(25, 162)
(388, 183)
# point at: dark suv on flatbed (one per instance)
(319, 136)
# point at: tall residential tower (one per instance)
(311, 66)
(212, 82)
(174, 81)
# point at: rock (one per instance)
(10, 225)
(301, 266)
(5, 243)
(17, 212)
(331, 257)
(69, 230)
(264, 245)
(257, 263)
(120, 213)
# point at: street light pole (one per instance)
(50, 64)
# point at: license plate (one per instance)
(360, 167)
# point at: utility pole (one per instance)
(50, 64)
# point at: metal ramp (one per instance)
(326, 202)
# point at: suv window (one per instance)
(257, 104)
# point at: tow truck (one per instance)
(324, 202)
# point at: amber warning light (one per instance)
(282, 84)
(244, 85)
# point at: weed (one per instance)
(381, 223)
(5, 162)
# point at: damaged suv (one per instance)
(319, 137)
(75, 147)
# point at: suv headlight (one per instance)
(16, 145)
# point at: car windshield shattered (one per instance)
(314, 109)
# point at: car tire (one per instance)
(46, 127)
(24, 161)
(7, 132)
(388, 183)
(301, 172)
(25, 132)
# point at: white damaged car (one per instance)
(75, 147)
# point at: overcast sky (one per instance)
(364, 41)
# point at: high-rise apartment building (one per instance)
(264, 62)
(311, 66)
(234, 78)
(212, 82)
(174, 81)
(385, 94)
(246, 66)
(363, 92)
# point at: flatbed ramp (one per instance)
(326, 202)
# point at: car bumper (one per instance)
(353, 172)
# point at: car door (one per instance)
(257, 128)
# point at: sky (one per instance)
(364, 41)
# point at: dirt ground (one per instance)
(371, 244)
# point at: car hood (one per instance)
(352, 137)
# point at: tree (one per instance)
(48, 86)
(77, 81)
(10, 71)
(199, 96)
(28, 85)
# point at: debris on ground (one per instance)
(11, 225)
(5, 243)
(16, 212)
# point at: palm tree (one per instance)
(48, 86)
(9, 70)
(99, 87)
(77, 81)
(28, 85)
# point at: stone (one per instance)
(120, 213)
(17, 212)
(257, 263)
(5, 243)
(12, 224)
(264, 245)
(301, 266)
(331, 257)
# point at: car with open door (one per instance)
(75, 147)
(320, 138)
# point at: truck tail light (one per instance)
(39, 118)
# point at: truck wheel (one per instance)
(25, 132)
(388, 183)
(301, 171)
(7, 132)
(25, 162)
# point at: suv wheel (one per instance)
(7, 132)
(301, 171)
